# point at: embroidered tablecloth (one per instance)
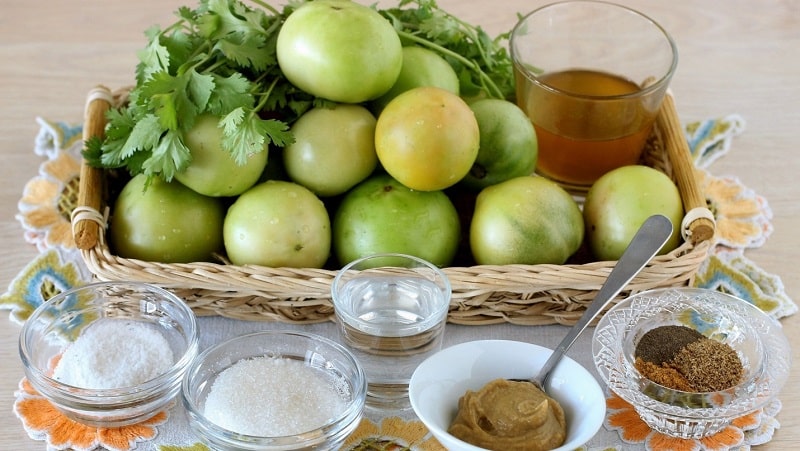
(743, 221)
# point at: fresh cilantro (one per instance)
(220, 58)
(246, 131)
(229, 92)
(481, 62)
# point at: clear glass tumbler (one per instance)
(591, 76)
(391, 311)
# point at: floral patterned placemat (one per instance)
(743, 221)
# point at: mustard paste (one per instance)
(509, 415)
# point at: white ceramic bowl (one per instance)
(443, 378)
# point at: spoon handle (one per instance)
(649, 239)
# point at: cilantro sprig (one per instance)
(482, 62)
(220, 58)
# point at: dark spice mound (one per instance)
(681, 358)
(663, 343)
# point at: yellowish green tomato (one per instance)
(339, 50)
(525, 220)
(427, 138)
(165, 222)
(333, 149)
(278, 224)
(620, 201)
(213, 171)
(421, 67)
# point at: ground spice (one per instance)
(709, 365)
(681, 358)
(662, 375)
(662, 344)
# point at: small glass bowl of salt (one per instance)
(109, 354)
(275, 390)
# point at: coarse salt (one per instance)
(273, 397)
(114, 353)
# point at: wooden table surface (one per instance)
(737, 56)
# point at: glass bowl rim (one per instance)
(108, 397)
(610, 362)
(352, 412)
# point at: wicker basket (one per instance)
(519, 294)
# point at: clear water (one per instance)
(391, 324)
(392, 306)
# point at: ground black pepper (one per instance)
(681, 358)
(663, 343)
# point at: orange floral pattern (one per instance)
(623, 418)
(44, 422)
(392, 434)
(48, 200)
(743, 218)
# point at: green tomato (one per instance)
(333, 149)
(620, 201)
(278, 224)
(339, 50)
(382, 215)
(165, 222)
(421, 67)
(508, 147)
(525, 220)
(213, 171)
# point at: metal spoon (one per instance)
(649, 239)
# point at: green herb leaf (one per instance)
(246, 51)
(144, 136)
(169, 156)
(230, 93)
(154, 57)
(246, 133)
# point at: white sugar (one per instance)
(114, 353)
(271, 397)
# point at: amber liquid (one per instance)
(582, 136)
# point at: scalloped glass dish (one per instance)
(757, 338)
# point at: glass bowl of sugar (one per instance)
(109, 354)
(275, 390)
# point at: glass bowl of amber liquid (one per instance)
(754, 339)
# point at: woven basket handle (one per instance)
(698, 224)
(87, 220)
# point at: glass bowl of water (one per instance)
(391, 311)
